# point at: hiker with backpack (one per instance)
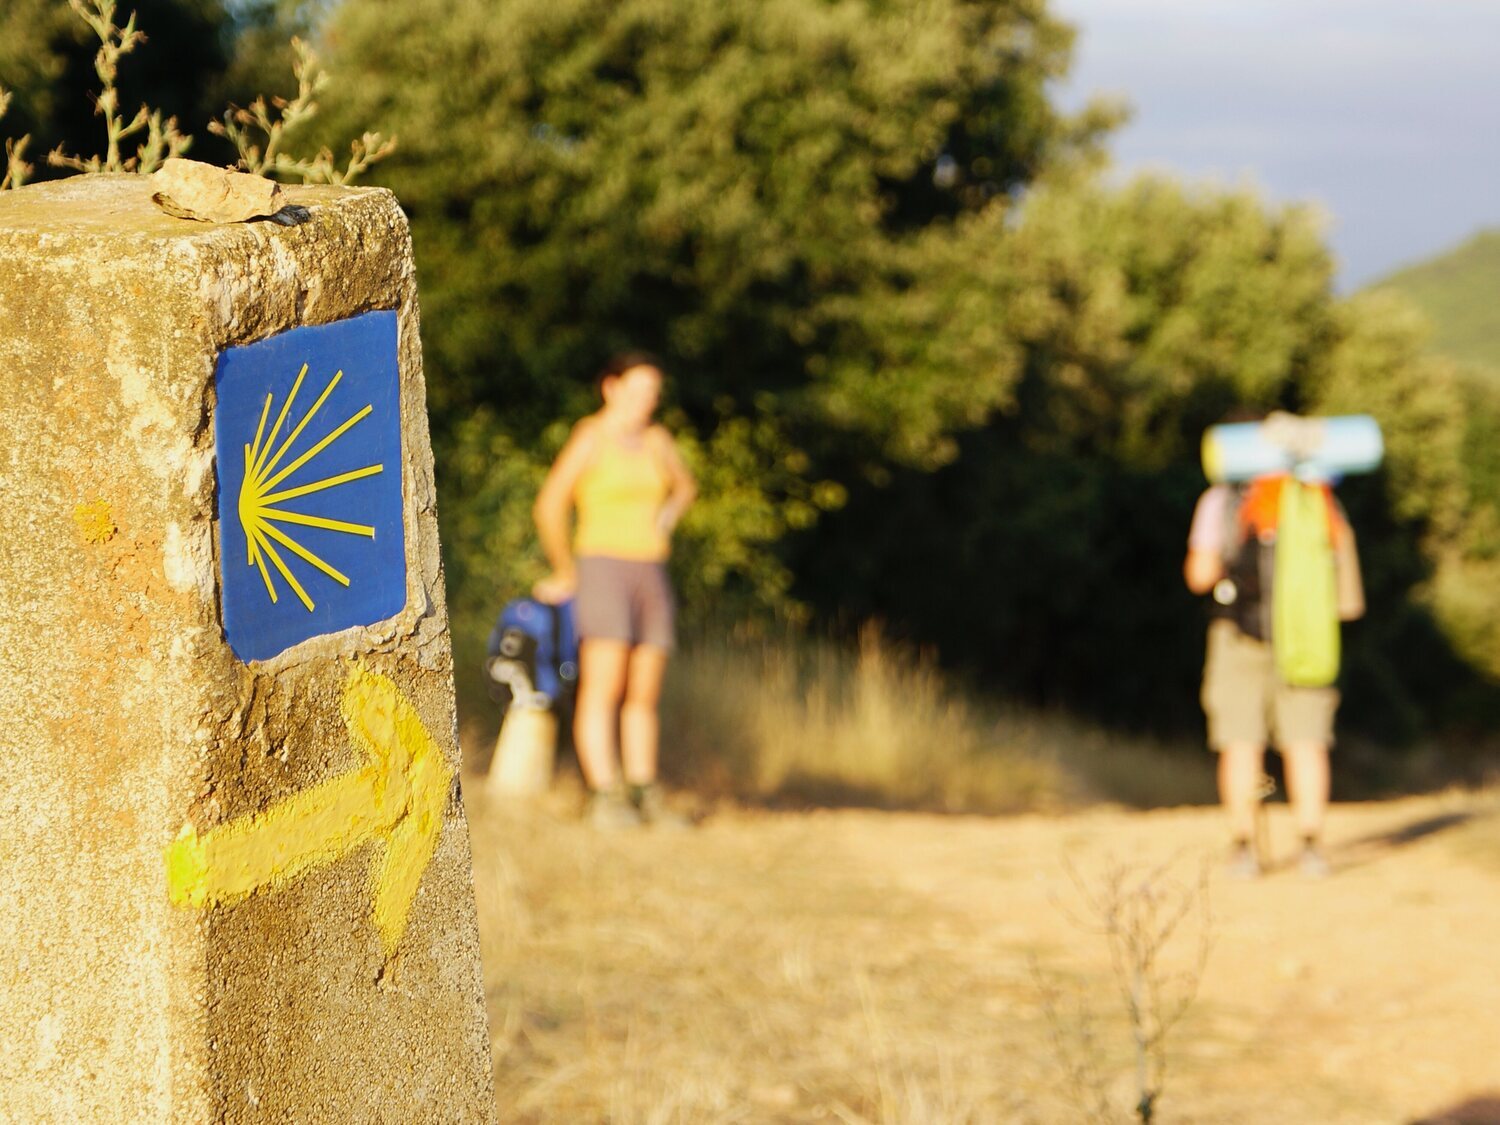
(624, 477)
(1277, 558)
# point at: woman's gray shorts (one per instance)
(625, 600)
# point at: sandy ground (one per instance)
(859, 966)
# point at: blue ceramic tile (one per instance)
(307, 432)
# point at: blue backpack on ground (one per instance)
(532, 655)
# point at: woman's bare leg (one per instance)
(602, 668)
(639, 723)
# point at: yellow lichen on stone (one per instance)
(95, 521)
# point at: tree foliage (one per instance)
(1046, 557)
(930, 366)
(775, 195)
(715, 180)
(886, 271)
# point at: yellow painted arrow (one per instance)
(398, 796)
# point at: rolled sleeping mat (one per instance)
(1314, 449)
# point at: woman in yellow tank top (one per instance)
(624, 476)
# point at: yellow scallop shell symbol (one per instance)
(261, 499)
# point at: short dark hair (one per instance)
(1243, 413)
(621, 362)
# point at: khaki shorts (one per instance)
(1246, 702)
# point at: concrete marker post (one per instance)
(235, 881)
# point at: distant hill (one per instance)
(1460, 291)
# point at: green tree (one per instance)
(1046, 557)
(707, 178)
(1436, 503)
(33, 37)
(884, 269)
(771, 194)
(258, 62)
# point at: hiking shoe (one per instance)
(611, 811)
(653, 807)
(1243, 863)
(1313, 864)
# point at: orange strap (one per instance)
(1261, 506)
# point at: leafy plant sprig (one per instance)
(163, 139)
(16, 168)
(268, 117)
(271, 119)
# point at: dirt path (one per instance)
(856, 966)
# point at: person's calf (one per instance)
(1307, 776)
(1241, 767)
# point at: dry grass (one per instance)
(811, 723)
(859, 966)
(870, 967)
(796, 722)
(630, 989)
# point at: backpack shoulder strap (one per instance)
(1233, 533)
(555, 619)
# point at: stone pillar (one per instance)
(235, 880)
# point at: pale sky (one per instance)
(1386, 113)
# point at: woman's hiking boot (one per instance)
(1243, 862)
(653, 809)
(610, 810)
(1313, 863)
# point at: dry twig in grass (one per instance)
(1074, 1039)
(1137, 910)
